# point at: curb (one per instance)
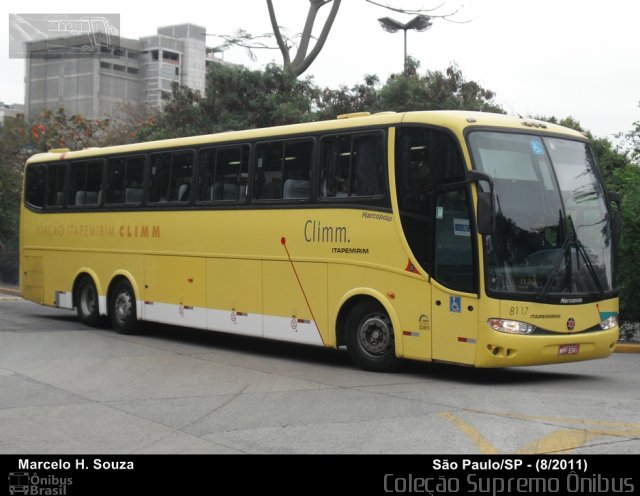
(11, 291)
(10, 294)
(627, 348)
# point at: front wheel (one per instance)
(370, 339)
(122, 308)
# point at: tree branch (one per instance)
(303, 65)
(420, 11)
(314, 7)
(276, 32)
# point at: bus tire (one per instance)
(122, 308)
(370, 340)
(86, 299)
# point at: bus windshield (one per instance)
(553, 232)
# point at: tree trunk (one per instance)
(303, 60)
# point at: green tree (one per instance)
(435, 90)
(56, 129)
(633, 141)
(628, 186)
(360, 97)
(15, 147)
(624, 177)
(409, 91)
(19, 140)
(257, 98)
(236, 98)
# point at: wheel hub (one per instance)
(374, 335)
(123, 307)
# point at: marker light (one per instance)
(609, 323)
(511, 326)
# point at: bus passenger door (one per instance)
(454, 304)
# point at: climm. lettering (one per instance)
(315, 232)
(139, 231)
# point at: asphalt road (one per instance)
(67, 388)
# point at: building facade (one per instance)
(95, 80)
(13, 110)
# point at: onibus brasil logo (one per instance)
(26, 483)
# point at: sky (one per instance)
(545, 57)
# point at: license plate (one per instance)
(568, 349)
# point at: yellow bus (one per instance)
(461, 237)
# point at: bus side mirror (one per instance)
(616, 219)
(486, 210)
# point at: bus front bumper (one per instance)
(496, 349)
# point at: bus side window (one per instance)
(181, 176)
(367, 166)
(170, 176)
(268, 175)
(125, 180)
(35, 184)
(206, 174)
(297, 170)
(93, 194)
(85, 183)
(56, 184)
(115, 180)
(159, 177)
(352, 166)
(222, 174)
(134, 180)
(226, 184)
(335, 165)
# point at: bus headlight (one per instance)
(609, 323)
(511, 326)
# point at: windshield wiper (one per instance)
(571, 240)
(581, 250)
(568, 241)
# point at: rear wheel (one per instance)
(86, 299)
(370, 339)
(122, 308)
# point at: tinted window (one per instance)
(425, 158)
(35, 184)
(222, 174)
(85, 188)
(55, 190)
(125, 180)
(283, 170)
(171, 176)
(453, 254)
(352, 165)
(435, 219)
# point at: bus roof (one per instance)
(457, 120)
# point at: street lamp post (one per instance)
(418, 23)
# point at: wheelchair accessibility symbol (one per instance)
(455, 304)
